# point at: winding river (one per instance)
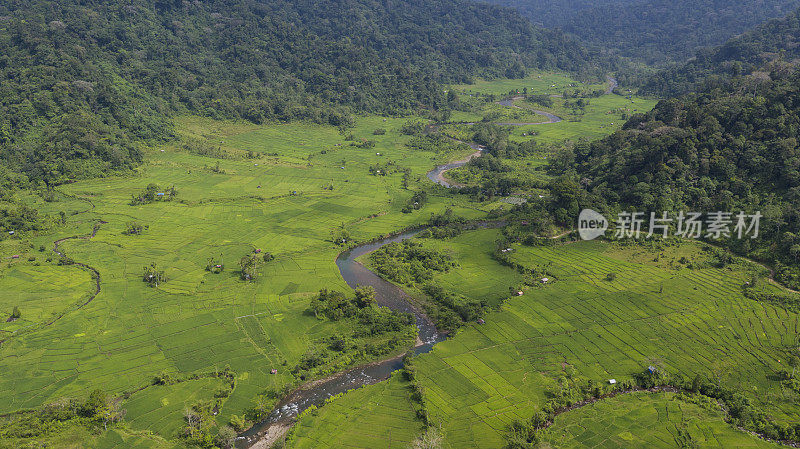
(267, 432)
(437, 174)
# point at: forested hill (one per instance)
(776, 42)
(653, 31)
(732, 148)
(84, 81)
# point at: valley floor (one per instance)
(303, 193)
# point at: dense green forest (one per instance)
(775, 41)
(652, 31)
(733, 147)
(84, 83)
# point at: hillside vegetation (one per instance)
(773, 43)
(731, 148)
(653, 31)
(569, 336)
(84, 83)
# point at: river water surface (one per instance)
(386, 295)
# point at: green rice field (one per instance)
(663, 300)
(489, 375)
(286, 189)
(600, 116)
(43, 291)
(375, 416)
(537, 82)
(279, 201)
(647, 420)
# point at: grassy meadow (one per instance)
(286, 189)
(664, 299)
(596, 117)
(298, 184)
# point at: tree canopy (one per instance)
(730, 148)
(653, 31)
(85, 83)
(774, 42)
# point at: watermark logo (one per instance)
(591, 224)
(690, 225)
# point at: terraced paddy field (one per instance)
(601, 116)
(154, 409)
(375, 416)
(78, 437)
(647, 420)
(667, 305)
(299, 185)
(688, 320)
(499, 114)
(288, 190)
(72, 435)
(42, 290)
(588, 112)
(477, 275)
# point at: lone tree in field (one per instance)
(194, 422)
(340, 236)
(147, 196)
(101, 408)
(15, 314)
(248, 267)
(226, 438)
(794, 362)
(153, 276)
(134, 228)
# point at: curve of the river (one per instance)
(267, 432)
(437, 174)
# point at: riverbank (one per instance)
(315, 393)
